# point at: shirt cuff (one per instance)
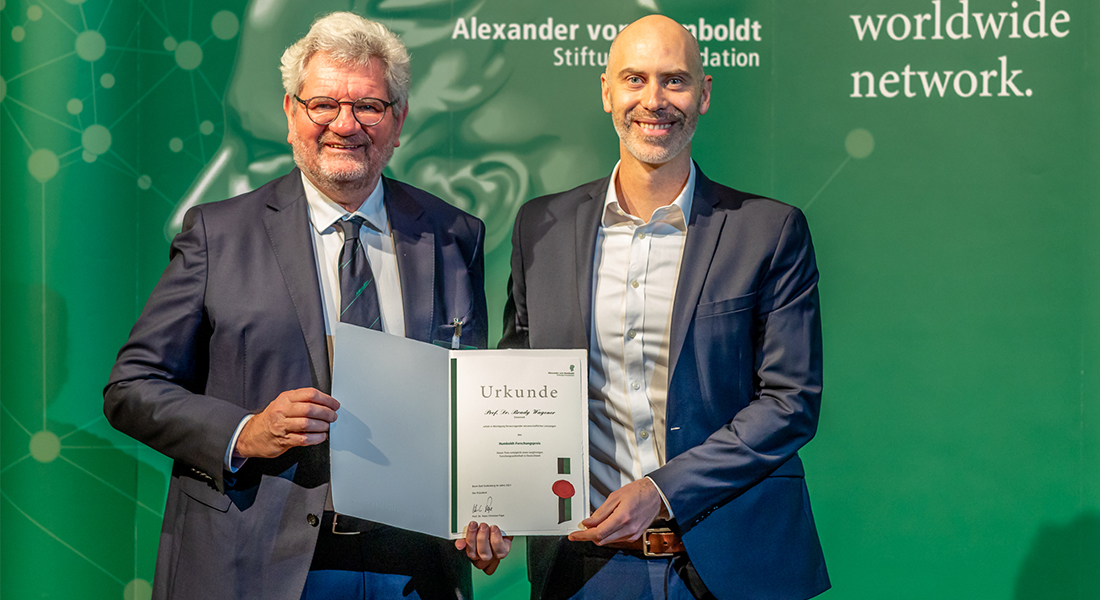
(668, 506)
(234, 463)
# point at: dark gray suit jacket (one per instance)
(235, 320)
(745, 375)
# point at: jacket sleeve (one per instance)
(515, 333)
(782, 414)
(155, 389)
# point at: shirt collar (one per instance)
(323, 212)
(674, 214)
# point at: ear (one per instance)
(605, 92)
(704, 100)
(400, 119)
(288, 108)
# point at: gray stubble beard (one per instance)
(365, 174)
(655, 155)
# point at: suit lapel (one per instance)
(288, 230)
(414, 244)
(588, 215)
(704, 228)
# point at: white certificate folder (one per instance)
(430, 439)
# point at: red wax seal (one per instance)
(563, 489)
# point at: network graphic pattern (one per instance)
(91, 47)
(87, 50)
(859, 143)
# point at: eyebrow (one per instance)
(681, 73)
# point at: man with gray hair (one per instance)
(228, 369)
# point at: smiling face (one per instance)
(342, 157)
(655, 90)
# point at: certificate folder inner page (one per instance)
(428, 439)
(521, 440)
(390, 444)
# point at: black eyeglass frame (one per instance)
(305, 105)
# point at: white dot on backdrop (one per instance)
(74, 106)
(225, 25)
(18, 33)
(96, 139)
(175, 144)
(189, 55)
(138, 589)
(34, 13)
(107, 81)
(170, 44)
(90, 45)
(89, 157)
(145, 182)
(45, 446)
(206, 128)
(859, 143)
(43, 165)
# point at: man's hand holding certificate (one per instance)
(431, 440)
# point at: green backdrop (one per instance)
(953, 203)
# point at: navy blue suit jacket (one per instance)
(235, 320)
(745, 375)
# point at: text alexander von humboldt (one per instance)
(716, 39)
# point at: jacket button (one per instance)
(313, 520)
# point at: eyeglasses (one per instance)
(323, 110)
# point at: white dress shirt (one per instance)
(328, 239)
(635, 271)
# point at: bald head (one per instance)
(655, 31)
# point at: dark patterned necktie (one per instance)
(358, 292)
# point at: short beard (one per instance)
(669, 147)
(360, 176)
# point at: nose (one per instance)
(653, 97)
(345, 123)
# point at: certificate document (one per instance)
(430, 439)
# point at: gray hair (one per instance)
(349, 39)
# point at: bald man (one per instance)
(698, 305)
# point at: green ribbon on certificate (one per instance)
(564, 491)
